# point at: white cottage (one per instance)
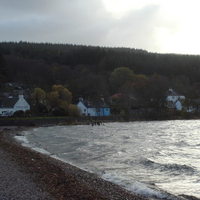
(89, 108)
(12, 104)
(174, 99)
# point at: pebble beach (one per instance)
(26, 174)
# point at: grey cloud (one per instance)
(27, 6)
(136, 29)
(77, 22)
(42, 20)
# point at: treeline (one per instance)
(86, 70)
(102, 58)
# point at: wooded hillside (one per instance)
(86, 70)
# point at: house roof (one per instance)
(91, 104)
(8, 102)
(171, 92)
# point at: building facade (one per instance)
(8, 106)
(89, 108)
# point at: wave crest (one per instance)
(176, 169)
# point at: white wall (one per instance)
(22, 105)
(178, 105)
(92, 111)
(84, 110)
(4, 112)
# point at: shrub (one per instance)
(19, 113)
(74, 110)
(58, 112)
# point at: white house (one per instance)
(178, 105)
(89, 108)
(174, 99)
(12, 104)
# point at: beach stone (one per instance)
(26, 174)
(14, 184)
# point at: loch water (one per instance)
(152, 158)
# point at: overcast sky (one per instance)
(163, 26)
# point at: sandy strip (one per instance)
(32, 175)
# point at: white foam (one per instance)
(136, 186)
(131, 185)
(22, 139)
(41, 150)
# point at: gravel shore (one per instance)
(26, 174)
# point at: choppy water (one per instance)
(141, 156)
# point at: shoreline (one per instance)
(60, 180)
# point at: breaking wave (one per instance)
(175, 169)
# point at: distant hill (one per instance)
(86, 69)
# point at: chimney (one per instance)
(21, 96)
(102, 98)
(81, 98)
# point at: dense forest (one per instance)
(94, 71)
